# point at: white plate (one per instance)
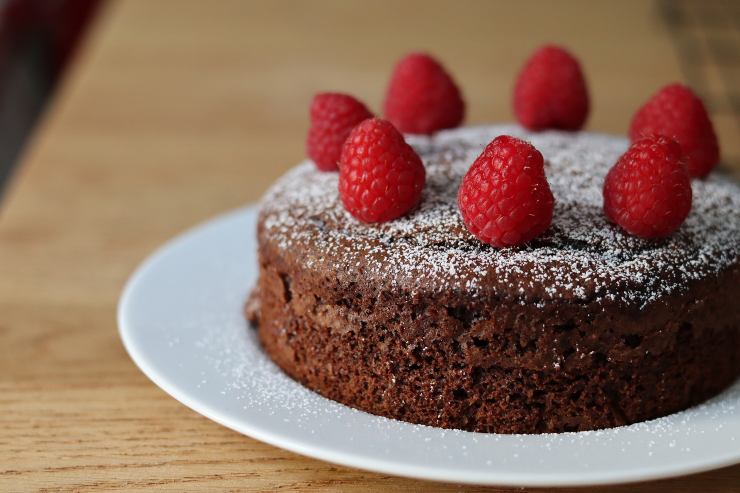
(180, 318)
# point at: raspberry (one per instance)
(504, 197)
(422, 97)
(380, 175)
(333, 116)
(551, 92)
(676, 112)
(648, 191)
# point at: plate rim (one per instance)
(359, 461)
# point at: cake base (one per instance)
(447, 381)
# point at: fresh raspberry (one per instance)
(333, 116)
(648, 191)
(380, 175)
(504, 197)
(676, 112)
(551, 92)
(422, 97)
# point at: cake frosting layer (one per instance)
(582, 257)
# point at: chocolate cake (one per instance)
(585, 327)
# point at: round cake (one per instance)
(583, 328)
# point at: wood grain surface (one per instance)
(178, 110)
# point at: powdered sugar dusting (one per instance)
(581, 257)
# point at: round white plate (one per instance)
(180, 318)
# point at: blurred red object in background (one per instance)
(37, 40)
(57, 24)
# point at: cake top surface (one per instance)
(580, 257)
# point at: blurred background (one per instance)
(256, 64)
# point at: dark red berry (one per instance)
(333, 116)
(380, 176)
(504, 198)
(551, 92)
(676, 112)
(422, 98)
(648, 191)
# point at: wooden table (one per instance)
(176, 111)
